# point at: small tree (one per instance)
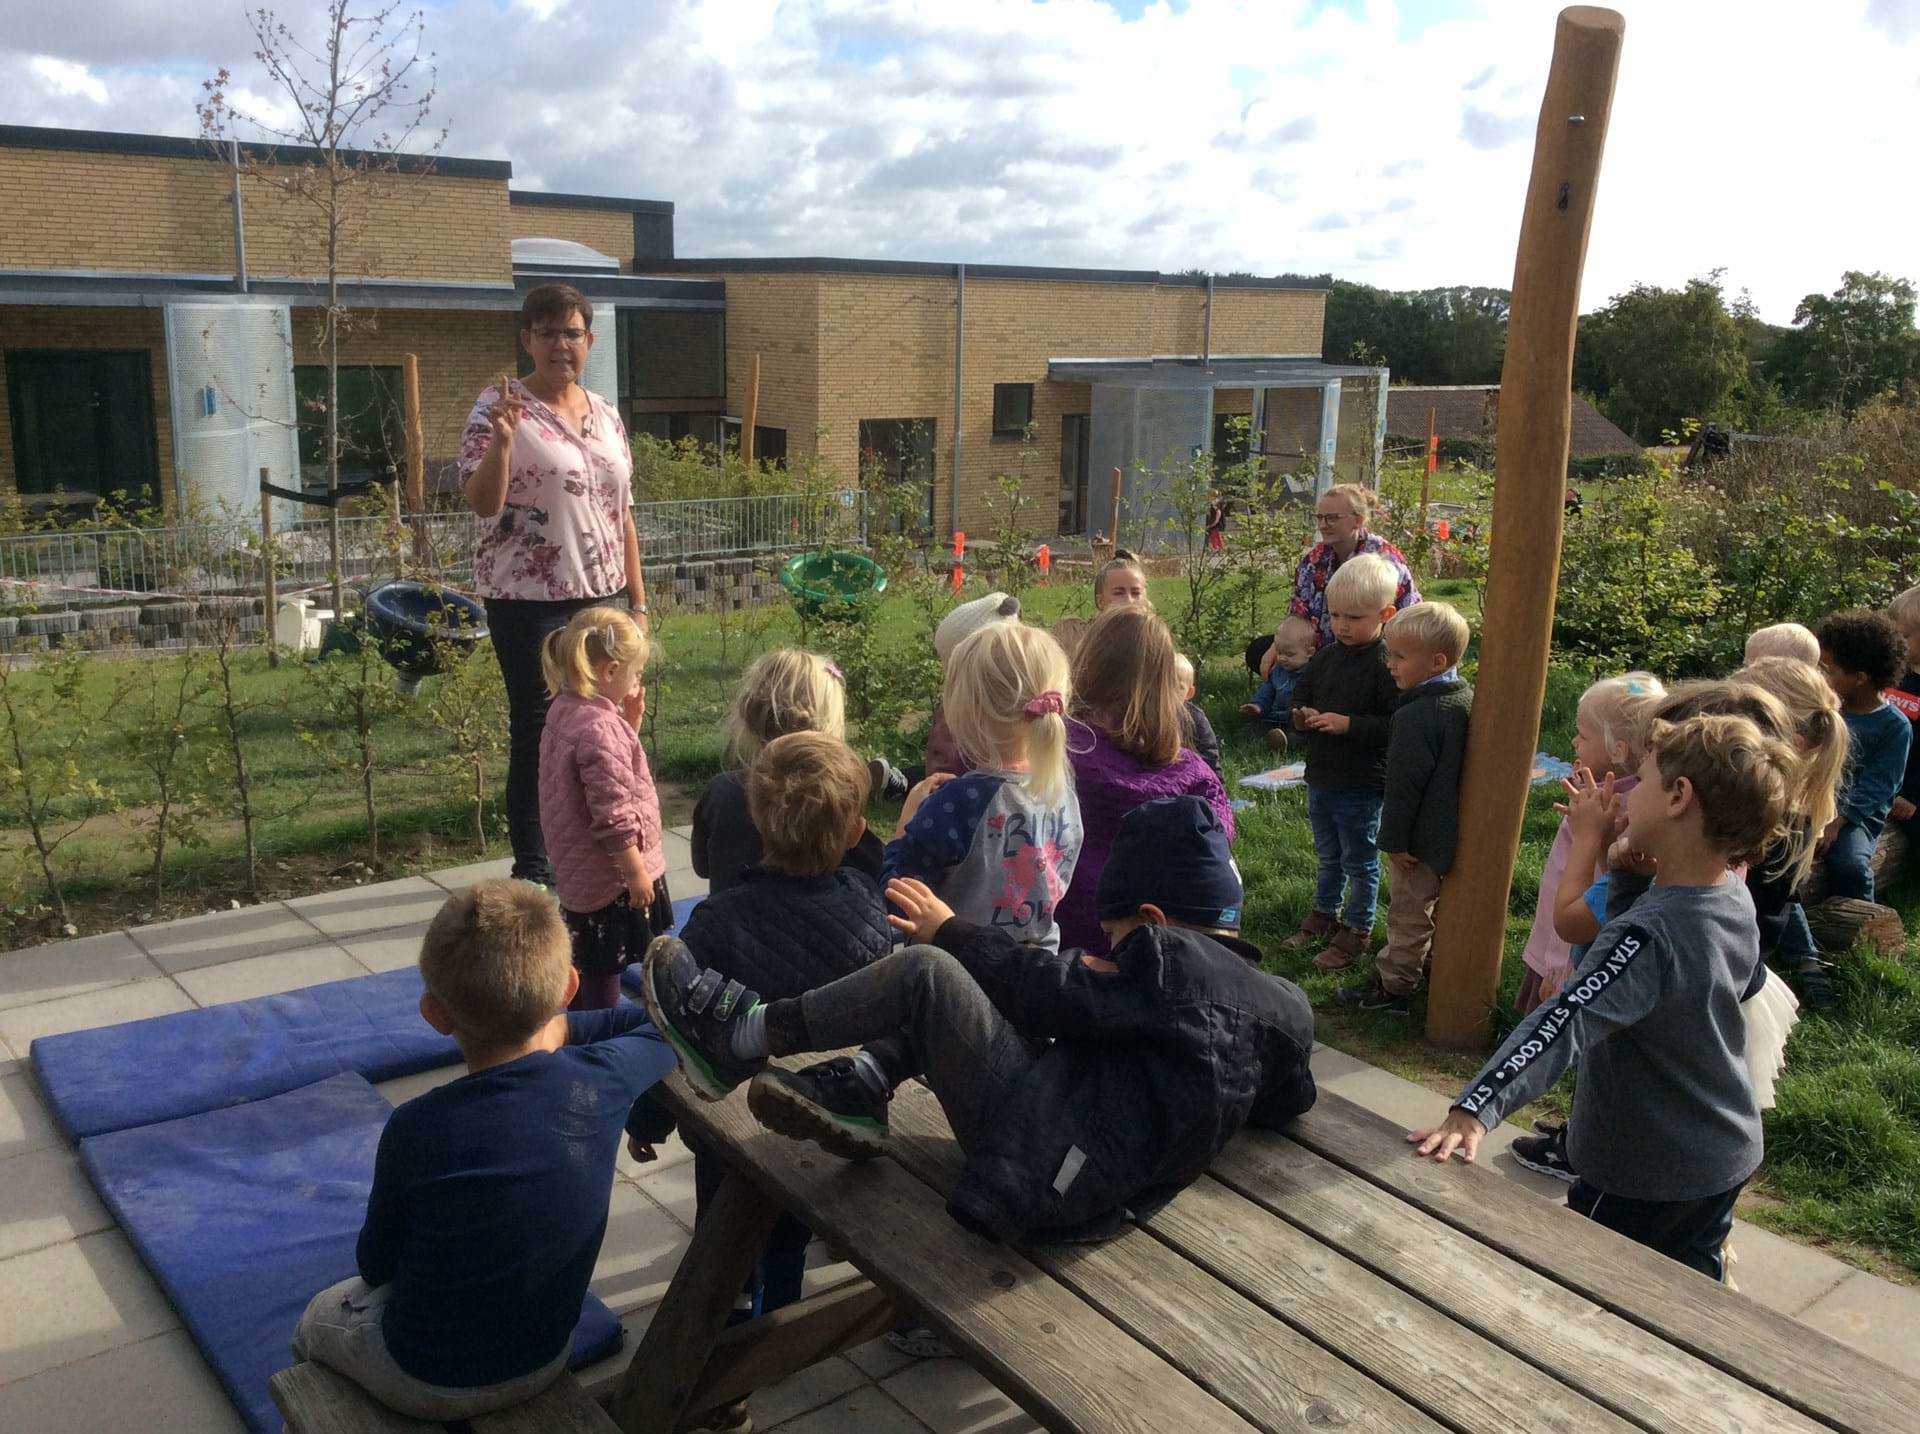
(49, 717)
(357, 692)
(160, 715)
(358, 98)
(468, 707)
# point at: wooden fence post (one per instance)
(751, 414)
(416, 458)
(266, 568)
(1530, 466)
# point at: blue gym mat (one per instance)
(168, 1067)
(245, 1213)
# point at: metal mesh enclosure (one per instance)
(602, 373)
(1146, 433)
(230, 373)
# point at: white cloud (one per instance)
(1267, 135)
(63, 77)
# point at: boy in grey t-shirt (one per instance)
(1665, 1129)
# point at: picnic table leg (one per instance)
(665, 1369)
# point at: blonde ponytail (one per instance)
(1007, 690)
(593, 637)
(1821, 734)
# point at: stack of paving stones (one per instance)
(122, 626)
(728, 584)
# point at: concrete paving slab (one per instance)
(668, 1153)
(803, 1392)
(878, 1358)
(73, 1301)
(158, 1386)
(222, 936)
(24, 1122)
(360, 910)
(867, 1409)
(459, 878)
(950, 1396)
(46, 1198)
(388, 951)
(1780, 1274)
(1328, 1064)
(641, 1251)
(269, 975)
(1875, 1316)
(402, 1089)
(71, 968)
(1386, 1094)
(23, 1025)
(671, 1187)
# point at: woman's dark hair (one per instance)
(1862, 641)
(555, 304)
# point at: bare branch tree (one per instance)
(358, 101)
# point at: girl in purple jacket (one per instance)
(598, 806)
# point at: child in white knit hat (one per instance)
(943, 752)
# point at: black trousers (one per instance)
(1694, 1232)
(519, 626)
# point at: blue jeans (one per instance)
(1346, 833)
(1850, 863)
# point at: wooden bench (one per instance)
(315, 1400)
(1320, 1278)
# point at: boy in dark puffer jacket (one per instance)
(809, 913)
(1155, 1055)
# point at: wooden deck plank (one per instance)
(1613, 1362)
(1453, 1373)
(1049, 1351)
(315, 1400)
(1793, 1362)
(1271, 1374)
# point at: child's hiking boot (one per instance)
(1545, 1153)
(917, 1341)
(1349, 944)
(1277, 740)
(1370, 995)
(1545, 1126)
(1816, 985)
(697, 1011)
(1317, 924)
(887, 781)
(830, 1103)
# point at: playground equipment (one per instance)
(820, 581)
(416, 624)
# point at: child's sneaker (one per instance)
(1277, 739)
(829, 1103)
(1816, 986)
(887, 781)
(1349, 944)
(1317, 924)
(1370, 995)
(916, 1340)
(1546, 1154)
(697, 1011)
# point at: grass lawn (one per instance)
(1843, 1165)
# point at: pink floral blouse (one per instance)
(562, 532)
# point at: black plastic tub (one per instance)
(415, 623)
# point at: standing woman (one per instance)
(1340, 516)
(548, 461)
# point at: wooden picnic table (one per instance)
(1317, 1279)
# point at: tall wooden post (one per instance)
(1115, 533)
(750, 415)
(1529, 482)
(1426, 474)
(266, 569)
(416, 457)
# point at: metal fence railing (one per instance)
(83, 566)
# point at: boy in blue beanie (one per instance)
(1152, 1057)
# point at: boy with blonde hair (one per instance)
(1665, 1127)
(490, 1193)
(1342, 704)
(1783, 639)
(1420, 814)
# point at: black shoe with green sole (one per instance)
(829, 1104)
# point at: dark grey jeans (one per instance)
(965, 1050)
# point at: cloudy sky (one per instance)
(1386, 142)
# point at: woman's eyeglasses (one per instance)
(552, 336)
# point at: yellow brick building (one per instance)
(140, 354)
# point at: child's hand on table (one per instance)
(923, 789)
(1459, 1132)
(922, 913)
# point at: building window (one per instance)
(82, 423)
(672, 427)
(896, 473)
(373, 445)
(1075, 443)
(1012, 409)
(672, 353)
(1232, 439)
(769, 444)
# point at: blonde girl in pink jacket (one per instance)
(598, 807)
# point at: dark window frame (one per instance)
(630, 318)
(25, 469)
(311, 426)
(1003, 426)
(872, 436)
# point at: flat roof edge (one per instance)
(551, 199)
(92, 141)
(1039, 273)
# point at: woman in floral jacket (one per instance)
(1341, 516)
(548, 462)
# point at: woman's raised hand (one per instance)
(504, 418)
